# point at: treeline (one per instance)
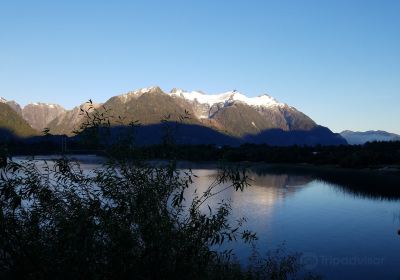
(368, 155)
(356, 156)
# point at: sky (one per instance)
(336, 61)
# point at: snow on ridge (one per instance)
(211, 99)
(50, 105)
(127, 96)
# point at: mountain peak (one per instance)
(14, 105)
(153, 89)
(176, 90)
(136, 93)
(3, 100)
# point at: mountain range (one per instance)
(226, 118)
(359, 138)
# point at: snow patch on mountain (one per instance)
(136, 93)
(49, 105)
(226, 98)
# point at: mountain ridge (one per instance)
(362, 137)
(231, 113)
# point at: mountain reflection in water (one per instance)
(345, 221)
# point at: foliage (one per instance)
(95, 127)
(123, 219)
(46, 132)
(3, 155)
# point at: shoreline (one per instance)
(378, 169)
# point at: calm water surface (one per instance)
(342, 235)
(344, 231)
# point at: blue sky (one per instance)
(337, 61)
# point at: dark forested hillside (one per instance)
(13, 124)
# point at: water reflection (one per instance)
(362, 183)
(265, 190)
(333, 215)
(270, 189)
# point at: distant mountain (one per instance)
(14, 105)
(232, 115)
(318, 135)
(39, 115)
(12, 124)
(358, 138)
(69, 121)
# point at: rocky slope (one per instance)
(148, 106)
(14, 105)
(70, 121)
(39, 115)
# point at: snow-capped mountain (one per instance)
(226, 98)
(230, 111)
(231, 104)
(202, 98)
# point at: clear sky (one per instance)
(337, 61)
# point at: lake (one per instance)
(344, 222)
